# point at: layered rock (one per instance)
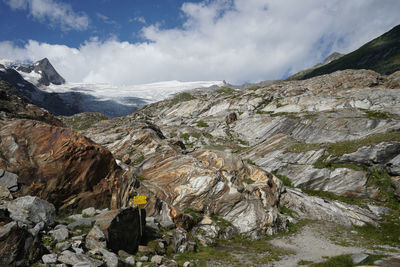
(59, 165)
(206, 182)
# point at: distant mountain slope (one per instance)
(381, 55)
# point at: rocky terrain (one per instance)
(282, 173)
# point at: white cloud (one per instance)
(106, 19)
(138, 19)
(238, 40)
(56, 12)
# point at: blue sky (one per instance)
(141, 41)
(122, 19)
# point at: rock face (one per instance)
(37, 152)
(13, 105)
(207, 182)
(314, 208)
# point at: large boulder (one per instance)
(59, 165)
(121, 229)
(31, 210)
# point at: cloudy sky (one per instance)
(141, 41)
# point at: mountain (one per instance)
(44, 87)
(381, 55)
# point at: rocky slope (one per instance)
(381, 55)
(214, 164)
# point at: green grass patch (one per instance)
(346, 147)
(141, 178)
(185, 136)
(286, 211)
(377, 114)
(342, 261)
(82, 121)
(140, 159)
(181, 97)
(248, 181)
(254, 88)
(285, 180)
(201, 123)
(196, 215)
(331, 196)
(221, 222)
(224, 90)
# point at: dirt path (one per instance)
(315, 241)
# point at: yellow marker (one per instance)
(139, 200)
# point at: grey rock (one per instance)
(157, 259)
(59, 226)
(31, 210)
(60, 234)
(60, 265)
(75, 217)
(96, 238)
(77, 250)
(324, 209)
(63, 246)
(395, 182)
(379, 210)
(359, 258)
(81, 222)
(38, 227)
(71, 258)
(89, 212)
(82, 264)
(111, 258)
(123, 254)
(381, 153)
(130, 260)
(168, 224)
(10, 180)
(187, 264)
(144, 258)
(139, 264)
(49, 258)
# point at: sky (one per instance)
(143, 41)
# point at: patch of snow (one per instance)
(31, 77)
(21, 85)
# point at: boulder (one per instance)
(60, 234)
(315, 208)
(71, 258)
(49, 258)
(59, 165)
(121, 228)
(395, 181)
(89, 212)
(31, 210)
(8, 179)
(96, 239)
(112, 259)
(359, 258)
(19, 247)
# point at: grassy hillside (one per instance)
(381, 55)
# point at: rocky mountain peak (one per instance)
(48, 73)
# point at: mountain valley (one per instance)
(281, 173)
